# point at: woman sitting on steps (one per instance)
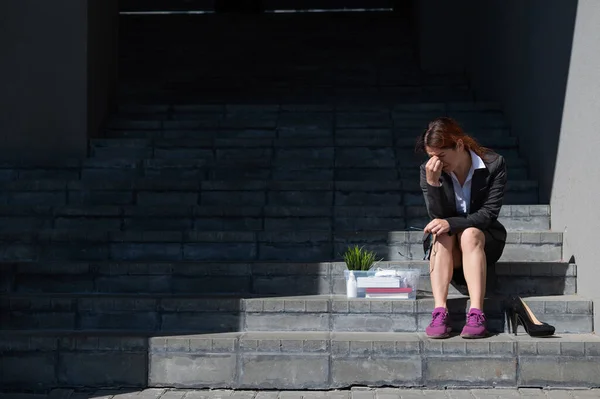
(463, 185)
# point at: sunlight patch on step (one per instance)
(330, 10)
(196, 12)
(310, 10)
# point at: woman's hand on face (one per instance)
(433, 170)
(437, 226)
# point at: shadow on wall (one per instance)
(519, 55)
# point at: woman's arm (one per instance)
(434, 196)
(491, 207)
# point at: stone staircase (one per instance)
(183, 258)
(198, 245)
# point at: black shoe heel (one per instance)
(511, 321)
(518, 311)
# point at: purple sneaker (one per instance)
(438, 328)
(475, 327)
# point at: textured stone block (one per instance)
(100, 197)
(374, 323)
(268, 121)
(366, 174)
(192, 370)
(373, 371)
(284, 371)
(317, 157)
(368, 223)
(297, 223)
(300, 198)
(240, 198)
(20, 320)
(559, 371)
(57, 198)
(282, 322)
(201, 322)
(183, 153)
(532, 252)
(365, 157)
(35, 370)
(73, 252)
(147, 198)
(19, 252)
(470, 371)
(367, 198)
(219, 236)
(228, 224)
(100, 369)
(317, 306)
(220, 251)
(202, 304)
(380, 345)
(210, 284)
(575, 324)
(302, 252)
(119, 321)
(524, 223)
(88, 223)
(363, 120)
(151, 251)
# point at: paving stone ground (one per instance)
(355, 393)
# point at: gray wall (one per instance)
(44, 77)
(102, 61)
(576, 191)
(520, 56)
(514, 52)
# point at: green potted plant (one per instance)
(358, 258)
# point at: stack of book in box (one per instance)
(384, 287)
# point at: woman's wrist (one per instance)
(434, 184)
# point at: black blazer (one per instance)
(487, 194)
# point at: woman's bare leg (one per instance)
(441, 265)
(472, 244)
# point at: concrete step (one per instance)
(305, 121)
(189, 192)
(283, 112)
(202, 314)
(566, 313)
(258, 218)
(227, 169)
(221, 91)
(250, 278)
(298, 361)
(205, 146)
(336, 136)
(77, 244)
(162, 111)
(192, 169)
(366, 152)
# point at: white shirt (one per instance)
(462, 194)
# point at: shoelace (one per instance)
(475, 319)
(438, 319)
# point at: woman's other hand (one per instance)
(437, 226)
(433, 170)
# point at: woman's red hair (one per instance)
(445, 132)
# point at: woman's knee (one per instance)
(472, 238)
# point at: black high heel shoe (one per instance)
(518, 310)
